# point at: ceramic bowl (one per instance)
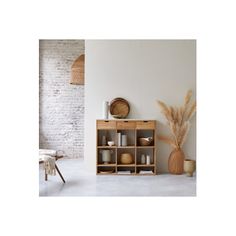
(110, 143)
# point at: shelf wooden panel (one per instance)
(126, 165)
(145, 146)
(146, 124)
(125, 174)
(107, 173)
(106, 146)
(143, 165)
(146, 174)
(126, 124)
(107, 165)
(106, 124)
(125, 146)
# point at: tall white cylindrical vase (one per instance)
(105, 107)
(124, 140)
(148, 160)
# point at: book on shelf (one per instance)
(124, 172)
(145, 172)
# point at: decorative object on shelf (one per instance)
(148, 160)
(110, 143)
(145, 172)
(124, 172)
(179, 123)
(119, 139)
(189, 167)
(104, 140)
(143, 159)
(123, 140)
(126, 158)
(77, 71)
(119, 108)
(145, 141)
(106, 156)
(106, 171)
(105, 108)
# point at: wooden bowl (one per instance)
(145, 141)
(126, 158)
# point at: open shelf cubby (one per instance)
(125, 134)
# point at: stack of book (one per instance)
(145, 172)
(124, 172)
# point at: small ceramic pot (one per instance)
(110, 143)
(143, 159)
(189, 167)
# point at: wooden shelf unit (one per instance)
(134, 129)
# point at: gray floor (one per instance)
(80, 183)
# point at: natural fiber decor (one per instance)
(77, 71)
(119, 108)
(145, 141)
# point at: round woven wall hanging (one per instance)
(119, 108)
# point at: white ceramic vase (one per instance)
(106, 156)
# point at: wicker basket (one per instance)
(126, 158)
(77, 71)
(145, 141)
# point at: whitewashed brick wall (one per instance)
(61, 105)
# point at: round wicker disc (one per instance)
(119, 108)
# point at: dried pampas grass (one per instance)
(178, 121)
(167, 140)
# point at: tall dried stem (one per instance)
(178, 121)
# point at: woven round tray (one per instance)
(119, 108)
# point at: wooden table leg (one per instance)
(59, 173)
(46, 176)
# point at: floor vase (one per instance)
(176, 162)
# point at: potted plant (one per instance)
(178, 120)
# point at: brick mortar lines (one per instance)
(61, 106)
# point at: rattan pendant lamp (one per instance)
(77, 71)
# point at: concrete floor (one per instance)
(81, 183)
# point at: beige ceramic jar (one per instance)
(189, 167)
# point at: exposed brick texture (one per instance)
(61, 105)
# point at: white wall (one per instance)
(61, 105)
(140, 71)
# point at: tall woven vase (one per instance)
(176, 162)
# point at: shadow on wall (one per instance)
(134, 111)
(163, 149)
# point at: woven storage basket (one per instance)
(77, 71)
(145, 141)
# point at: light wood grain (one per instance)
(146, 124)
(106, 124)
(126, 125)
